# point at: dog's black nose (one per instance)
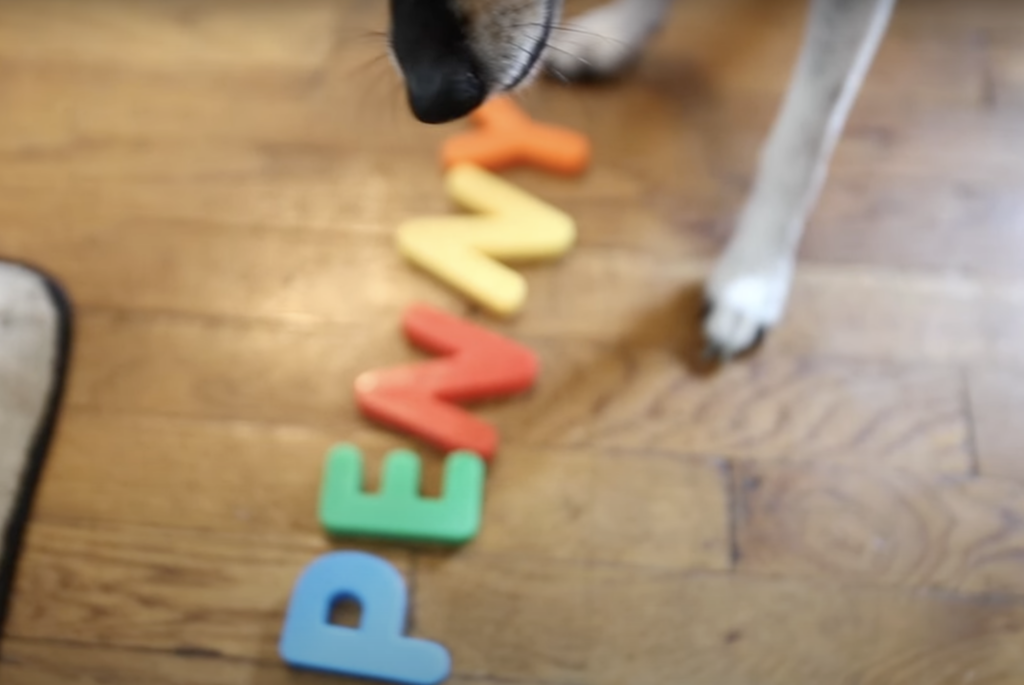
(443, 91)
(443, 78)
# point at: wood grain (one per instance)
(31, 662)
(241, 478)
(264, 35)
(849, 311)
(160, 588)
(997, 404)
(624, 509)
(652, 628)
(642, 399)
(509, 617)
(217, 183)
(610, 625)
(865, 526)
(260, 479)
(853, 312)
(634, 397)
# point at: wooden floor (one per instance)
(217, 183)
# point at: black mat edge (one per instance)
(44, 433)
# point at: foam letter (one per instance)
(462, 250)
(418, 398)
(506, 136)
(377, 648)
(398, 511)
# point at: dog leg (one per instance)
(599, 43)
(749, 286)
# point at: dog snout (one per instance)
(443, 78)
(444, 91)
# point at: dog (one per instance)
(454, 54)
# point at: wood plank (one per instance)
(853, 312)
(653, 628)
(298, 372)
(868, 215)
(267, 116)
(987, 15)
(508, 617)
(849, 311)
(624, 509)
(236, 477)
(218, 182)
(171, 35)
(636, 398)
(273, 120)
(30, 662)
(513, 618)
(997, 404)
(522, 619)
(264, 479)
(358, 192)
(162, 588)
(878, 526)
(355, 198)
(727, 44)
(1006, 65)
(661, 513)
(961, 226)
(275, 274)
(643, 399)
(130, 136)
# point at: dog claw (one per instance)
(720, 352)
(705, 308)
(713, 354)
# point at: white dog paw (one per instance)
(599, 43)
(744, 302)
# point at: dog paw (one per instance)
(597, 45)
(743, 303)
